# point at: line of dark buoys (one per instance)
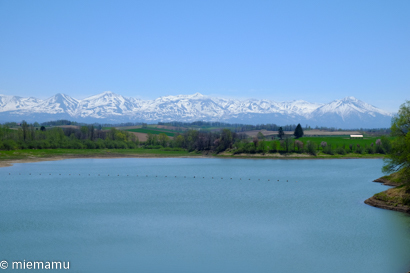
(157, 176)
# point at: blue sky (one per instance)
(281, 50)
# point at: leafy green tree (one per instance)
(398, 159)
(225, 141)
(299, 145)
(163, 140)
(151, 139)
(260, 136)
(261, 147)
(281, 134)
(311, 148)
(286, 144)
(24, 126)
(92, 131)
(298, 131)
(179, 141)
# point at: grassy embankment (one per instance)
(319, 155)
(397, 198)
(79, 153)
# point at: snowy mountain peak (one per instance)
(349, 99)
(196, 96)
(349, 106)
(105, 94)
(110, 107)
(59, 103)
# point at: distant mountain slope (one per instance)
(109, 107)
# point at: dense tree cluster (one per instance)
(86, 137)
(194, 140)
(399, 157)
(236, 127)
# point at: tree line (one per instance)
(28, 136)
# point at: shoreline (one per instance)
(391, 199)
(10, 162)
(377, 203)
(108, 155)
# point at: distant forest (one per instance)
(235, 127)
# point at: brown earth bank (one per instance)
(397, 199)
(8, 163)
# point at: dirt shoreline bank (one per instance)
(10, 162)
(391, 199)
(374, 202)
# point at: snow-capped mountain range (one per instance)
(109, 107)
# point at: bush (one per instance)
(8, 145)
(54, 145)
(380, 150)
(386, 144)
(341, 151)
(328, 150)
(359, 150)
(132, 145)
(99, 144)
(120, 144)
(43, 144)
(274, 147)
(311, 148)
(168, 149)
(90, 144)
(153, 147)
(75, 145)
(22, 145)
(31, 145)
(109, 144)
(370, 150)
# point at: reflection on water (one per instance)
(152, 215)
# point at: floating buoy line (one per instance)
(156, 176)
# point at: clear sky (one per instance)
(281, 50)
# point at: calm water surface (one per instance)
(146, 222)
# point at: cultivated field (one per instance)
(335, 141)
(69, 126)
(306, 133)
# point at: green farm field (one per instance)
(338, 141)
(154, 131)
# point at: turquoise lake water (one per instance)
(134, 215)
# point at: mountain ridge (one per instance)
(107, 107)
